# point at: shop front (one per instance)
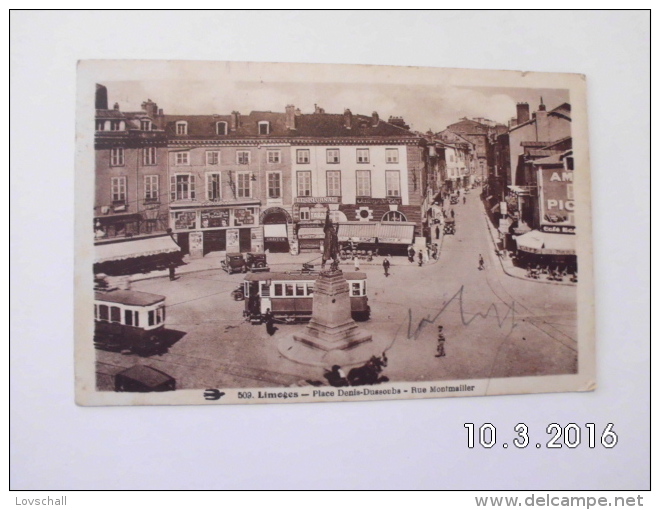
(204, 228)
(131, 256)
(276, 224)
(547, 249)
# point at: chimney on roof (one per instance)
(234, 121)
(290, 116)
(116, 106)
(374, 119)
(541, 106)
(348, 118)
(317, 108)
(298, 112)
(150, 108)
(522, 113)
(101, 98)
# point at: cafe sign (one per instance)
(316, 200)
(378, 201)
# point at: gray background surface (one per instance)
(396, 444)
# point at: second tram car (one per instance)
(289, 295)
(126, 320)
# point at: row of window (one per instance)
(131, 317)
(362, 183)
(221, 128)
(117, 157)
(120, 125)
(182, 186)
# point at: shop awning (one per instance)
(117, 218)
(134, 248)
(396, 232)
(544, 243)
(311, 233)
(277, 230)
(358, 231)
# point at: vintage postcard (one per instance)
(277, 233)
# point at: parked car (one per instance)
(234, 263)
(256, 262)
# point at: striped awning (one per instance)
(134, 248)
(544, 243)
(358, 232)
(275, 231)
(397, 232)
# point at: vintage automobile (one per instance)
(234, 263)
(453, 200)
(450, 226)
(256, 262)
(143, 379)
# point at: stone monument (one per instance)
(332, 336)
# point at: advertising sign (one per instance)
(233, 245)
(185, 220)
(215, 218)
(556, 200)
(243, 217)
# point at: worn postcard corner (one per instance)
(278, 233)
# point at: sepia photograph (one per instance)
(281, 232)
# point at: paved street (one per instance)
(495, 325)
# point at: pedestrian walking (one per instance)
(481, 262)
(435, 251)
(463, 199)
(172, 270)
(411, 254)
(420, 257)
(386, 266)
(437, 232)
(356, 262)
(269, 319)
(452, 214)
(440, 352)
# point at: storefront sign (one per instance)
(378, 201)
(215, 218)
(316, 200)
(185, 220)
(555, 229)
(243, 217)
(276, 239)
(394, 240)
(232, 240)
(556, 198)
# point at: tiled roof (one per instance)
(109, 114)
(332, 125)
(204, 126)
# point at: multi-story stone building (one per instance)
(130, 202)
(365, 171)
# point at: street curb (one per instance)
(492, 237)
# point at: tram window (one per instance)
(278, 290)
(163, 313)
(288, 289)
(265, 289)
(160, 313)
(115, 314)
(128, 317)
(364, 288)
(96, 311)
(300, 289)
(137, 318)
(103, 312)
(310, 289)
(151, 317)
(355, 289)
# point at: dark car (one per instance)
(256, 262)
(234, 263)
(143, 379)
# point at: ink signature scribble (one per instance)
(465, 317)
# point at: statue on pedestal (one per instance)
(330, 245)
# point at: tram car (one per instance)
(290, 295)
(129, 321)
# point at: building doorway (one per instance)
(215, 240)
(276, 235)
(245, 240)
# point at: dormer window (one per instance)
(145, 125)
(181, 127)
(221, 128)
(264, 127)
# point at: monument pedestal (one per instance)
(332, 337)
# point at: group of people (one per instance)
(423, 255)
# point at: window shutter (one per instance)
(192, 187)
(172, 188)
